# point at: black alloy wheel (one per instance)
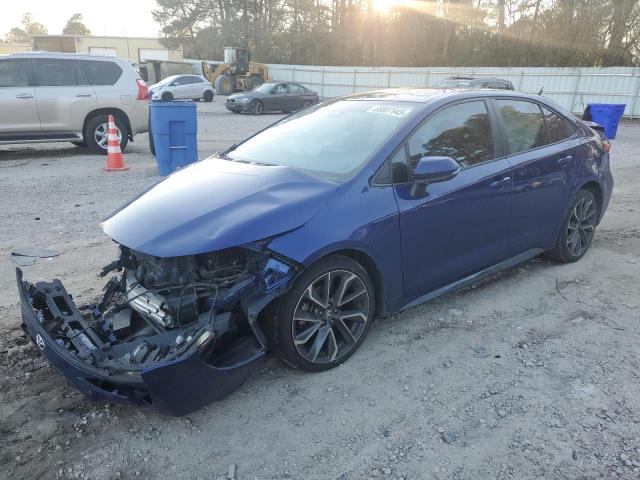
(577, 231)
(256, 107)
(325, 316)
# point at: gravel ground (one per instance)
(530, 374)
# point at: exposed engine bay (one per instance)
(157, 311)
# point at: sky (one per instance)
(107, 17)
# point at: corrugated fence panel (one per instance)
(573, 88)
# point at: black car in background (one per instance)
(284, 97)
(475, 82)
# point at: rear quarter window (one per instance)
(557, 127)
(101, 72)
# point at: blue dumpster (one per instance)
(174, 127)
(606, 114)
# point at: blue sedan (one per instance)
(297, 238)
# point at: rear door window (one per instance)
(15, 73)
(101, 72)
(523, 125)
(295, 89)
(462, 132)
(56, 72)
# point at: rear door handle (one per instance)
(565, 160)
(498, 184)
(83, 95)
(24, 95)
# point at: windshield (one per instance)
(265, 88)
(228, 55)
(164, 81)
(330, 141)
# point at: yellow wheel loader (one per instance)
(236, 73)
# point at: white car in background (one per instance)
(180, 87)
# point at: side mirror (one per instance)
(432, 170)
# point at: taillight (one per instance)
(143, 90)
(606, 145)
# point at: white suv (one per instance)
(58, 97)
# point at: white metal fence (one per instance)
(573, 88)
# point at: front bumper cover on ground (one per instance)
(176, 387)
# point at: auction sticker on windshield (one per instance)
(391, 111)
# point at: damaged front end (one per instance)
(170, 333)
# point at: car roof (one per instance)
(427, 95)
(471, 78)
(461, 77)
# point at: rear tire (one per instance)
(297, 323)
(224, 85)
(95, 133)
(207, 96)
(167, 97)
(578, 229)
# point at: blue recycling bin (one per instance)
(606, 114)
(174, 127)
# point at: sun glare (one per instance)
(384, 6)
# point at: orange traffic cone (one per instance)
(115, 160)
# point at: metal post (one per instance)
(355, 75)
(635, 97)
(321, 82)
(293, 74)
(575, 91)
(427, 79)
(521, 80)
(389, 78)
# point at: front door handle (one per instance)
(24, 95)
(83, 95)
(564, 160)
(498, 184)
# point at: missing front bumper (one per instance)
(177, 386)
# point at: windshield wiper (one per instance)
(228, 150)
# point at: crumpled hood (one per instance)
(216, 204)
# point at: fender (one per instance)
(369, 224)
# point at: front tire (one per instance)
(95, 133)
(167, 97)
(578, 229)
(256, 107)
(208, 96)
(224, 85)
(325, 316)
